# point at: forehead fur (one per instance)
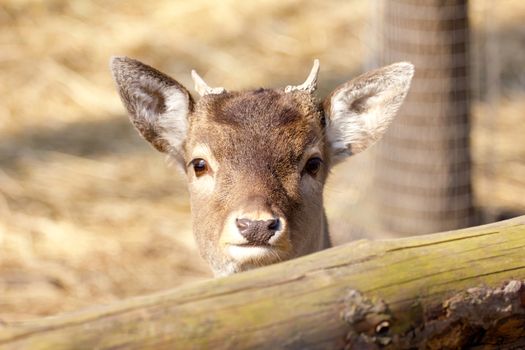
(271, 107)
(259, 111)
(263, 121)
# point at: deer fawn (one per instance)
(257, 161)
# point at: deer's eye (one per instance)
(199, 166)
(312, 166)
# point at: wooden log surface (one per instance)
(458, 289)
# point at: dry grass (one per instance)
(88, 212)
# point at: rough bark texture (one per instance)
(423, 167)
(459, 289)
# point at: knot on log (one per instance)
(478, 316)
(369, 322)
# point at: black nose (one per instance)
(257, 231)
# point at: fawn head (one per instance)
(256, 161)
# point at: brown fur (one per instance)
(256, 144)
(258, 138)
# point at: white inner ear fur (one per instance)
(174, 122)
(362, 109)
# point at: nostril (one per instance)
(243, 224)
(273, 224)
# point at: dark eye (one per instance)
(313, 165)
(199, 166)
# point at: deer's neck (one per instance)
(320, 241)
(326, 241)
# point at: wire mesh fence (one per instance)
(423, 170)
(448, 160)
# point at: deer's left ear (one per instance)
(359, 111)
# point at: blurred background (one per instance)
(90, 213)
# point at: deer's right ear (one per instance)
(158, 106)
(359, 111)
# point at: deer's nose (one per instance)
(257, 231)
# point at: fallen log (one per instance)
(458, 289)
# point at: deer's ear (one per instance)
(158, 106)
(359, 111)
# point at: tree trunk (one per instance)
(458, 289)
(423, 166)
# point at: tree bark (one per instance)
(423, 179)
(457, 289)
